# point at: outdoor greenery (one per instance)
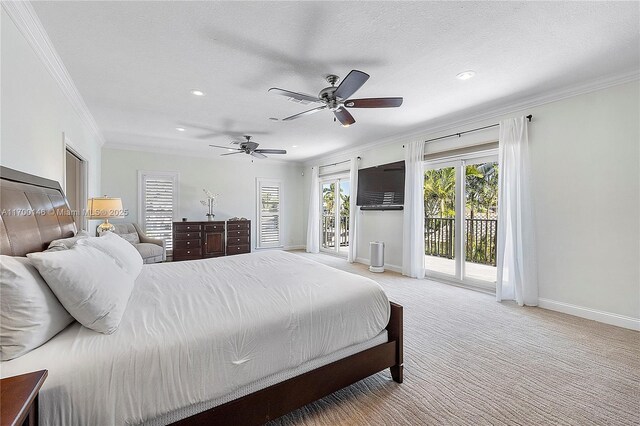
(481, 191)
(328, 197)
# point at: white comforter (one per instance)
(195, 331)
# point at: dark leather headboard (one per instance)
(34, 212)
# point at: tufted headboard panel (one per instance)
(33, 212)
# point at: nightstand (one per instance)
(19, 399)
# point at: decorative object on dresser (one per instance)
(238, 236)
(104, 208)
(198, 240)
(209, 202)
(19, 395)
(152, 250)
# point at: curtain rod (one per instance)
(528, 117)
(335, 164)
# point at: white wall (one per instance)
(585, 153)
(233, 179)
(36, 113)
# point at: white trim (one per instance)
(592, 314)
(389, 266)
(470, 116)
(280, 184)
(29, 25)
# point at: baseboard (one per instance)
(394, 268)
(592, 314)
(298, 247)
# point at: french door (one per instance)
(335, 203)
(461, 222)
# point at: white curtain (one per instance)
(413, 227)
(517, 274)
(353, 210)
(313, 224)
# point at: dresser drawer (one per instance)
(238, 249)
(188, 236)
(238, 225)
(219, 226)
(182, 253)
(187, 244)
(185, 227)
(238, 241)
(238, 233)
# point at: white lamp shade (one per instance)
(104, 208)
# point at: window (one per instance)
(335, 202)
(269, 216)
(158, 204)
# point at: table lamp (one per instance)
(104, 208)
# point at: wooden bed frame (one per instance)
(50, 219)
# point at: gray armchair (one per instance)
(152, 250)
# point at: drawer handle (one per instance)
(188, 242)
(188, 252)
(188, 235)
(238, 239)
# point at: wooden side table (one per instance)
(19, 399)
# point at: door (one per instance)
(461, 222)
(214, 239)
(334, 223)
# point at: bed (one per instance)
(236, 340)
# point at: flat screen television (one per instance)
(381, 187)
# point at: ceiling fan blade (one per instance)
(258, 155)
(373, 103)
(344, 117)
(231, 153)
(351, 83)
(225, 147)
(271, 151)
(300, 98)
(311, 111)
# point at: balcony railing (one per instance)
(481, 237)
(329, 231)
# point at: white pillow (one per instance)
(67, 243)
(30, 314)
(88, 283)
(125, 255)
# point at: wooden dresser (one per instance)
(198, 240)
(238, 236)
(201, 240)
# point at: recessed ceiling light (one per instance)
(294, 146)
(466, 75)
(180, 129)
(197, 92)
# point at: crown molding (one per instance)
(471, 116)
(192, 153)
(26, 20)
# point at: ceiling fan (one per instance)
(247, 146)
(337, 98)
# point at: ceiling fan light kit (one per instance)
(336, 99)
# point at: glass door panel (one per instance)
(440, 220)
(328, 221)
(343, 213)
(481, 220)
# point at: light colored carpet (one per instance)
(472, 361)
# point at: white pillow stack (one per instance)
(89, 284)
(30, 314)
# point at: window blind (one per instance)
(269, 217)
(158, 207)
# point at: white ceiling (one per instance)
(135, 62)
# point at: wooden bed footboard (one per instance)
(270, 403)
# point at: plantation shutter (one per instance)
(158, 206)
(269, 213)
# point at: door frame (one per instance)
(67, 146)
(333, 178)
(459, 162)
